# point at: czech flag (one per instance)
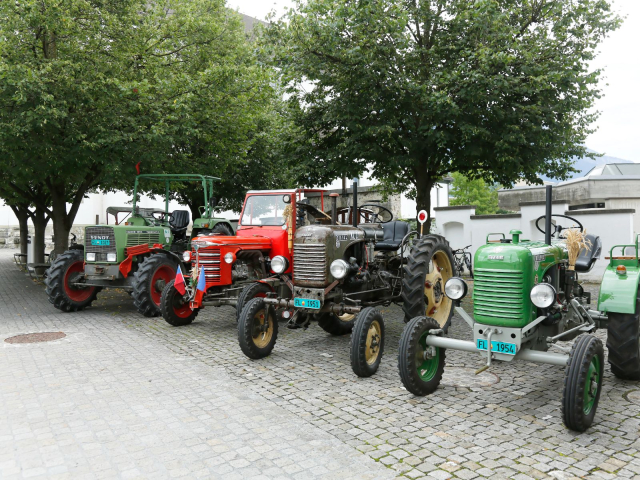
(179, 283)
(202, 286)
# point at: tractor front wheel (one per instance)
(429, 265)
(257, 329)
(251, 291)
(623, 344)
(175, 309)
(420, 366)
(63, 293)
(367, 342)
(582, 383)
(149, 281)
(336, 324)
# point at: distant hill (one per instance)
(583, 165)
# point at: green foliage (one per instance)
(466, 191)
(498, 89)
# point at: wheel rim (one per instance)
(438, 305)
(76, 294)
(163, 275)
(262, 329)
(180, 307)
(346, 317)
(426, 364)
(591, 385)
(374, 338)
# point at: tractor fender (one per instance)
(618, 293)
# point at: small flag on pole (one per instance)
(179, 282)
(202, 286)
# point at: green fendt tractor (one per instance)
(139, 253)
(527, 297)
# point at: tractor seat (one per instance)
(587, 258)
(394, 232)
(179, 220)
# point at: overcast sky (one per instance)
(618, 133)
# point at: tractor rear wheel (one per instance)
(257, 329)
(175, 309)
(420, 366)
(149, 281)
(336, 324)
(582, 383)
(623, 344)
(367, 342)
(221, 229)
(251, 291)
(59, 283)
(429, 265)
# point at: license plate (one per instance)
(306, 303)
(498, 347)
(100, 242)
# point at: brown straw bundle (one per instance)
(576, 241)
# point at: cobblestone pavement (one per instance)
(130, 396)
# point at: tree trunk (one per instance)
(40, 220)
(22, 214)
(61, 227)
(424, 184)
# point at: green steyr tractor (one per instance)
(140, 253)
(527, 297)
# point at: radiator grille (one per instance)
(498, 293)
(101, 235)
(309, 264)
(210, 261)
(150, 238)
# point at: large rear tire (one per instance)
(367, 342)
(429, 265)
(623, 344)
(582, 383)
(175, 310)
(149, 281)
(257, 329)
(337, 324)
(420, 366)
(62, 294)
(251, 291)
(221, 229)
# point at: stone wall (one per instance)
(10, 235)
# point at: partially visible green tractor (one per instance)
(526, 298)
(140, 253)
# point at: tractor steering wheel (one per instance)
(558, 228)
(381, 215)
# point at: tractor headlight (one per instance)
(112, 257)
(543, 295)
(455, 288)
(91, 257)
(279, 264)
(186, 256)
(339, 269)
(228, 257)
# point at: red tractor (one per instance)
(262, 249)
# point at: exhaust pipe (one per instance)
(547, 218)
(334, 208)
(355, 202)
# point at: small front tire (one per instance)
(154, 274)
(251, 291)
(60, 288)
(420, 366)
(582, 383)
(257, 329)
(367, 342)
(175, 309)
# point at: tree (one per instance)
(467, 191)
(414, 89)
(88, 88)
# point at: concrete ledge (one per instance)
(598, 211)
(543, 202)
(497, 215)
(456, 207)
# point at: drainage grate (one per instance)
(36, 337)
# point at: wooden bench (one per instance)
(21, 260)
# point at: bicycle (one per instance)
(462, 259)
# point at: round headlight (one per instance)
(228, 257)
(279, 264)
(186, 256)
(339, 269)
(455, 288)
(543, 295)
